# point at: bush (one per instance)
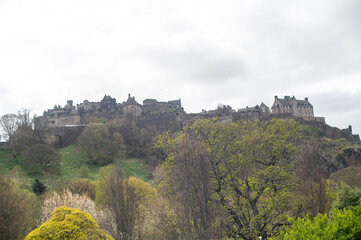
(54, 200)
(68, 223)
(345, 224)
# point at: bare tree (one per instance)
(187, 181)
(9, 124)
(24, 118)
(314, 188)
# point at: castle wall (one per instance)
(161, 121)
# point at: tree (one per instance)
(138, 141)
(68, 223)
(21, 177)
(42, 159)
(347, 197)
(23, 138)
(341, 224)
(9, 124)
(251, 172)
(38, 187)
(99, 145)
(316, 195)
(187, 187)
(127, 199)
(17, 210)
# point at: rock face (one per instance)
(62, 125)
(338, 156)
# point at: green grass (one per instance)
(6, 161)
(71, 161)
(136, 167)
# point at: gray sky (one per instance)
(206, 52)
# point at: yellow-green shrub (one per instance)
(69, 223)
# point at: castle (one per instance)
(64, 124)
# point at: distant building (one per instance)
(290, 105)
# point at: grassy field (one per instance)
(71, 161)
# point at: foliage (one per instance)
(17, 210)
(38, 187)
(23, 138)
(250, 169)
(127, 199)
(309, 131)
(186, 186)
(41, 158)
(99, 145)
(84, 171)
(17, 130)
(138, 141)
(68, 223)
(78, 186)
(19, 175)
(350, 175)
(54, 200)
(347, 197)
(344, 224)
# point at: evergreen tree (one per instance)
(38, 187)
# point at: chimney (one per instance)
(276, 97)
(306, 98)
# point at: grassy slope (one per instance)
(70, 162)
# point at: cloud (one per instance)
(206, 52)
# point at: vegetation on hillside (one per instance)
(212, 180)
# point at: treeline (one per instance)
(242, 180)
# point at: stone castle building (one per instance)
(297, 108)
(64, 124)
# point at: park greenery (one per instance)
(211, 180)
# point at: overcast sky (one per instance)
(234, 52)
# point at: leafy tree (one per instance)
(347, 197)
(99, 145)
(251, 172)
(344, 224)
(138, 141)
(23, 138)
(17, 210)
(41, 158)
(38, 187)
(127, 199)
(68, 223)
